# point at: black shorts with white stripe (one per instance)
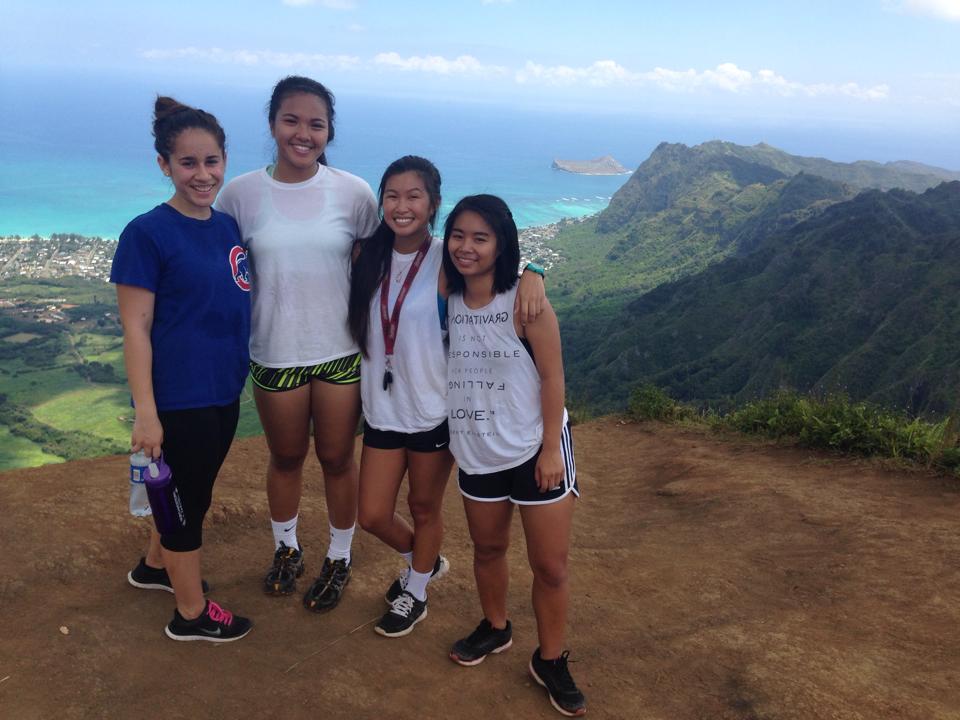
(519, 484)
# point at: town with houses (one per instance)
(51, 258)
(71, 255)
(67, 254)
(56, 256)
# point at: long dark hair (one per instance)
(497, 215)
(296, 85)
(373, 262)
(170, 118)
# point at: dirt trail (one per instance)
(712, 579)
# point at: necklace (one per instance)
(400, 265)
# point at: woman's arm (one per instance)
(531, 297)
(544, 338)
(136, 314)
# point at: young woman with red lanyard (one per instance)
(397, 304)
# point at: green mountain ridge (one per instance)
(686, 208)
(670, 164)
(861, 297)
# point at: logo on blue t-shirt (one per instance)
(238, 266)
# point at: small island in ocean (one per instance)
(605, 165)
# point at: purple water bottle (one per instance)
(164, 498)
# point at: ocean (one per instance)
(77, 154)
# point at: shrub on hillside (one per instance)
(837, 423)
(648, 402)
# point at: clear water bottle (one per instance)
(139, 503)
(164, 498)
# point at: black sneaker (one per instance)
(327, 589)
(281, 579)
(486, 639)
(214, 625)
(440, 568)
(405, 612)
(564, 694)
(150, 578)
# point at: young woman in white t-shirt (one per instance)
(300, 220)
(510, 435)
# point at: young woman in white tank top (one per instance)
(510, 436)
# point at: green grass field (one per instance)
(17, 452)
(26, 386)
(46, 383)
(20, 338)
(249, 421)
(96, 409)
(104, 411)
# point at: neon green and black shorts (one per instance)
(342, 371)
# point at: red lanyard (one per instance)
(391, 323)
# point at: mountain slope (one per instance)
(686, 208)
(861, 298)
(671, 164)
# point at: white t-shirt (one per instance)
(417, 399)
(299, 237)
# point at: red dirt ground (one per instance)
(712, 579)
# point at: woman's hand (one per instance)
(531, 296)
(147, 434)
(549, 472)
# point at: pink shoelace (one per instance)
(218, 614)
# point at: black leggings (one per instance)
(195, 443)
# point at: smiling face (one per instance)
(301, 130)
(407, 209)
(472, 245)
(196, 167)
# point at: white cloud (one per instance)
(464, 64)
(251, 58)
(726, 77)
(330, 4)
(600, 74)
(945, 9)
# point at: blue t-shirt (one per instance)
(197, 269)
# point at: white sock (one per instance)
(408, 556)
(340, 541)
(285, 532)
(417, 584)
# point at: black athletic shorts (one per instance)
(519, 484)
(427, 441)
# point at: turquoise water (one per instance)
(77, 153)
(76, 163)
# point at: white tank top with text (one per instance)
(493, 388)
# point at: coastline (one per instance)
(49, 257)
(535, 241)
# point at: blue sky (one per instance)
(853, 62)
